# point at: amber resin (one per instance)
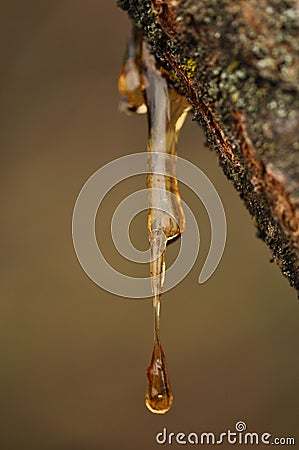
(144, 87)
(158, 397)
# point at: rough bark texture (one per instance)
(238, 64)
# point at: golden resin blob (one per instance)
(145, 88)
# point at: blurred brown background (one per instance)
(73, 357)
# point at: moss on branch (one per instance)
(238, 64)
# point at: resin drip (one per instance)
(166, 110)
(166, 113)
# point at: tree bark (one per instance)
(238, 64)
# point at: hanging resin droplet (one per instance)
(146, 88)
(129, 82)
(159, 396)
(166, 114)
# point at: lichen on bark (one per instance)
(238, 64)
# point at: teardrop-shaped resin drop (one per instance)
(159, 397)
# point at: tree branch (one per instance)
(238, 64)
